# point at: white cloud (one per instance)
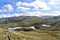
(36, 13)
(39, 14)
(22, 8)
(4, 15)
(40, 5)
(54, 2)
(10, 15)
(1, 11)
(37, 4)
(32, 14)
(26, 4)
(7, 8)
(57, 13)
(18, 3)
(16, 14)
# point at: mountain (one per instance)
(26, 21)
(20, 19)
(46, 17)
(31, 19)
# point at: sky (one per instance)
(10, 8)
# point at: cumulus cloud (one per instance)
(22, 8)
(10, 15)
(26, 4)
(39, 14)
(7, 8)
(32, 13)
(18, 3)
(36, 13)
(54, 2)
(37, 4)
(40, 5)
(57, 13)
(1, 11)
(25, 7)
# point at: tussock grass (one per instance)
(30, 35)
(3, 34)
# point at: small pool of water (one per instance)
(12, 28)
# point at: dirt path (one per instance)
(7, 36)
(4, 33)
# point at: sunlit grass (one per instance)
(30, 35)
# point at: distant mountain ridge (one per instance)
(30, 19)
(17, 19)
(48, 16)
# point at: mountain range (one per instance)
(31, 20)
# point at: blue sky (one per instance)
(9, 8)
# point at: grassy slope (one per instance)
(32, 35)
(3, 35)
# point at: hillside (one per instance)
(42, 33)
(32, 35)
(19, 19)
(27, 21)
